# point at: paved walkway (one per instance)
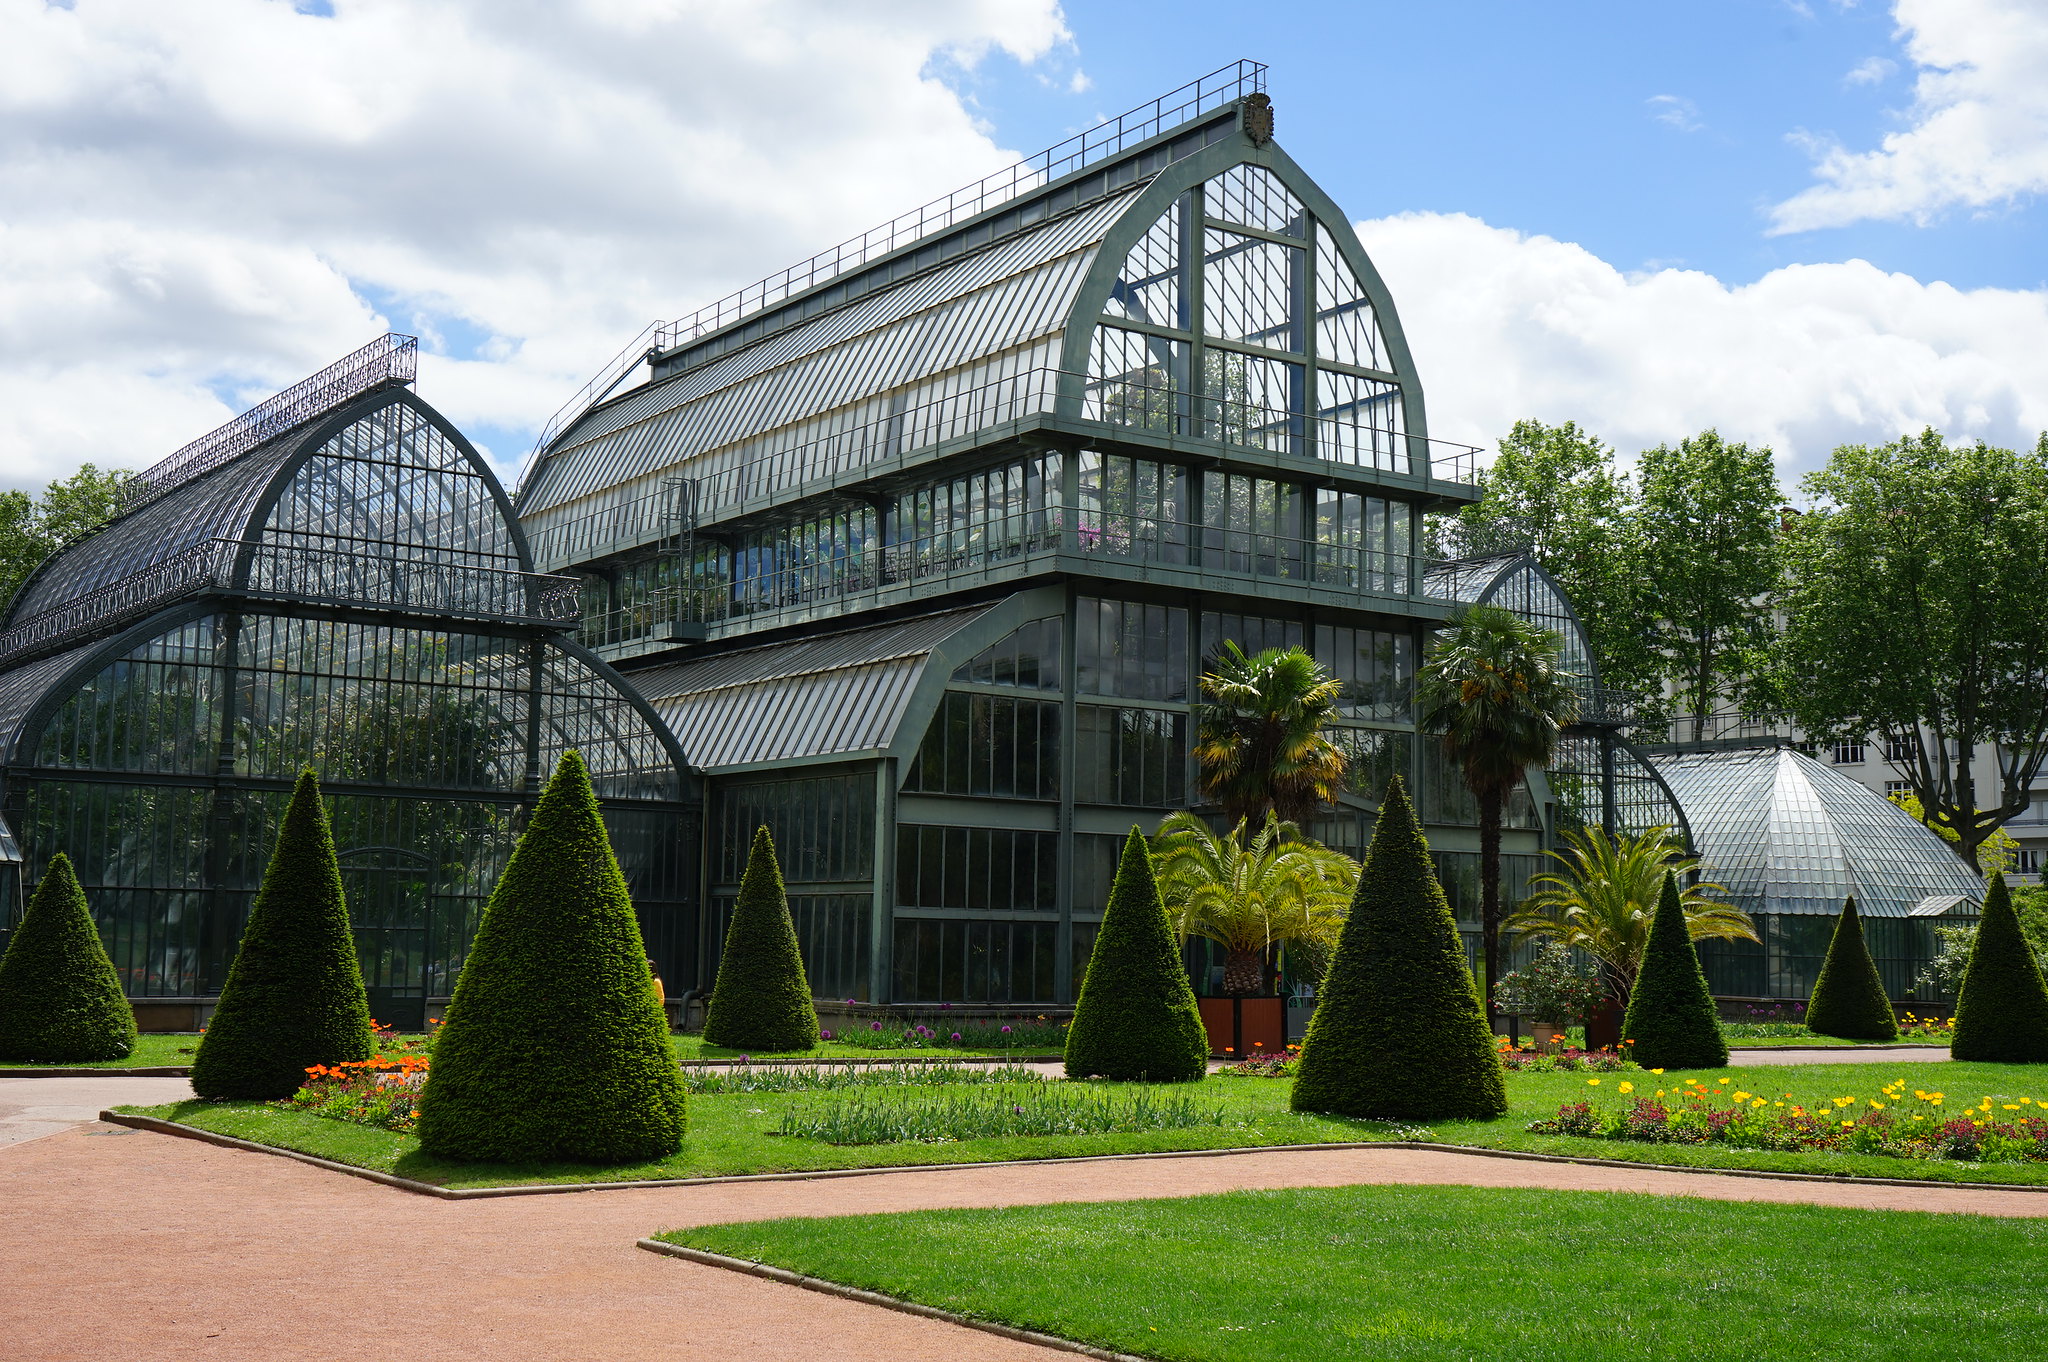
(1825, 1054)
(34, 1107)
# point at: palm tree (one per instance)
(1604, 894)
(1259, 738)
(1493, 689)
(1248, 897)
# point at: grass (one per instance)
(732, 1133)
(1441, 1272)
(154, 1050)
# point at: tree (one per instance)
(1944, 973)
(1671, 1021)
(555, 1045)
(1707, 525)
(761, 999)
(1849, 998)
(1604, 893)
(1945, 546)
(1260, 738)
(1247, 898)
(1492, 689)
(34, 527)
(2002, 1010)
(1136, 1017)
(294, 994)
(1398, 1031)
(1996, 854)
(60, 999)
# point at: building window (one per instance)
(1898, 751)
(1849, 753)
(824, 827)
(1131, 508)
(989, 745)
(2027, 861)
(1130, 649)
(1897, 787)
(831, 934)
(999, 869)
(974, 961)
(1029, 658)
(1376, 667)
(1096, 856)
(1252, 525)
(1362, 542)
(1130, 756)
(1251, 633)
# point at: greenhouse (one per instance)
(333, 580)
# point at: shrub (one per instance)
(60, 1000)
(294, 995)
(761, 999)
(554, 1046)
(2002, 1010)
(1671, 1020)
(1849, 998)
(1398, 1032)
(1136, 1016)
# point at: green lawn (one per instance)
(155, 1050)
(1447, 1272)
(729, 1133)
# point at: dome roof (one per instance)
(1787, 834)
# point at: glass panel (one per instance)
(823, 826)
(1136, 380)
(832, 935)
(978, 961)
(989, 745)
(1361, 422)
(1152, 286)
(1252, 196)
(1252, 291)
(1132, 508)
(1130, 756)
(1347, 329)
(1252, 525)
(1131, 649)
(1251, 633)
(1252, 401)
(1029, 657)
(999, 869)
(1376, 667)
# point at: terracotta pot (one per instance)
(1545, 1033)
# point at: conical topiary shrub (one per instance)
(1136, 1017)
(2002, 1007)
(761, 999)
(60, 1000)
(1849, 1000)
(1671, 1016)
(554, 1047)
(1398, 1033)
(294, 995)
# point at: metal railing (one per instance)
(390, 359)
(1121, 403)
(1109, 138)
(332, 574)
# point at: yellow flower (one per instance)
(1741, 1096)
(1660, 1092)
(1656, 1071)
(1847, 1124)
(1722, 1080)
(2010, 1106)
(1759, 1102)
(1877, 1106)
(1630, 1087)
(1592, 1082)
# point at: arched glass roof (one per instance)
(1788, 834)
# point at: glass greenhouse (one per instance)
(334, 580)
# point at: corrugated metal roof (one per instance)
(812, 697)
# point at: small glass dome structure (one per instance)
(1791, 838)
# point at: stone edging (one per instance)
(54, 1071)
(897, 1303)
(164, 1127)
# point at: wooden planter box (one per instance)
(1264, 1023)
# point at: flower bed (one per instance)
(1569, 1059)
(811, 1077)
(1995, 1129)
(884, 1117)
(1272, 1064)
(379, 1092)
(1034, 1035)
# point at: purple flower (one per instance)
(956, 1035)
(745, 1058)
(875, 1026)
(825, 1034)
(1006, 1030)
(849, 1000)
(944, 1006)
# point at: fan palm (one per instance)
(1603, 895)
(1275, 889)
(1259, 738)
(1493, 690)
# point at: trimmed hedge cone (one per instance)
(1849, 999)
(554, 1047)
(60, 999)
(1398, 1032)
(294, 995)
(761, 999)
(1136, 1017)
(2002, 1007)
(1671, 1016)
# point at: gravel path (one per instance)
(33, 1107)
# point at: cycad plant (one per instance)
(1494, 691)
(1603, 895)
(1260, 736)
(1248, 896)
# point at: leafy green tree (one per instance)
(1260, 735)
(555, 1045)
(2002, 1010)
(761, 1000)
(1849, 998)
(1136, 1017)
(1398, 1031)
(34, 527)
(1913, 590)
(1492, 688)
(1671, 1021)
(60, 999)
(294, 995)
(1275, 890)
(1996, 854)
(1602, 896)
(1707, 526)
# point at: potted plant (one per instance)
(1551, 991)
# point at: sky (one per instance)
(1802, 222)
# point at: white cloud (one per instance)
(1871, 71)
(1977, 135)
(1675, 111)
(1505, 326)
(208, 201)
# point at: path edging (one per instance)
(185, 1070)
(886, 1302)
(163, 1127)
(73, 1071)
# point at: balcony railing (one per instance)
(329, 573)
(1124, 404)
